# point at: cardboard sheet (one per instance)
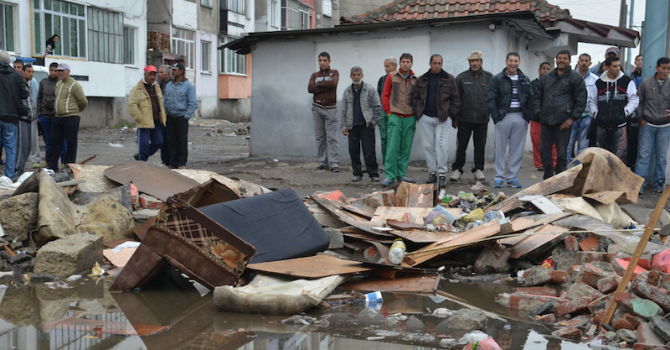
(119, 259)
(311, 267)
(412, 283)
(159, 182)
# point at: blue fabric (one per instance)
(46, 131)
(8, 141)
(180, 99)
(580, 133)
(657, 139)
(34, 90)
(148, 142)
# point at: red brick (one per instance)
(658, 295)
(590, 244)
(571, 243)
(547, 319)
(150, 202)
(573, 271)
(654, 278)
(518, 301)
(587, 257)
(568, 333)
(623, 324)
(633, 320)
(572, 306)
(540, 276)
(600, 303)
(599, 316)
(609, 284)
(592, 273)
(541, 291)
(578, 322)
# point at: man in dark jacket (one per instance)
(390, 65)
(473, 116)
(560, 100)
(45, 107)
(509, 100)
(13, 91)
(612, 100)
(654, 116)
(436, 102)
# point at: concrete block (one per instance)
(661, 326)
(493, 259)
(581, 289)
(563, 259)
(608, 284)
(468, 319)
(336, 238)
(627, 335)
(71, 255)
(568, 333)
(647, 335)
(19, 216)
(540, 276)
(657, 295)
(150, 202)
(638, 306)
(524, 302)
(541, 291)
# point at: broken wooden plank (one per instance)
(543, 236)
(411, 283)
(311, 267)
(360, 210)
(542, 203)
(605, 197)
(413, 195)
(404, 226)
(526, 225)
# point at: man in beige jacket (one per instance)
(70, 102)
(145, 105)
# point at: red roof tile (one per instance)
(400, 10)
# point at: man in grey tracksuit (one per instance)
(361, 109)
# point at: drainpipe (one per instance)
(630, 26)
(655, 31)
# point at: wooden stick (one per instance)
(648, 230)
(88, 159)
(9, 250)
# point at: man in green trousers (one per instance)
(390, 65)
(396, 102)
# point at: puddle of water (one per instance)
(175, 316)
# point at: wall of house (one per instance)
(262, 10)
(356, 7)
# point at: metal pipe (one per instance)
(656, 32)
(630, 26)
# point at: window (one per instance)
(206, 3)
(65, 19)
(128, 45)
(239, 6)
(231, 62)
(205, 56)
(105, 36)
(184, 44)
(6, 27)
(294, 15)
(273, 13)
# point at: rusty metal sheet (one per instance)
(413, 283)
(412, 195)
(159, 182)
(543, 236)
(311, 267)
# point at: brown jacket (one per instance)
(397, 95)
(448, 100)
(323, 84)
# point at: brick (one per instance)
(150, 202)
(563, 259)
(524, 302)
(600, 303)
(622, 324)
(571, 243)
(591, 273)
(661, 326)
(620, 266)
(540, 276)
(633, 320)
(541, 291)
(599, 316)
(572, 306)
(581, 289)
(568, 333)
(548, 319)
(578, 322)
(657, 278)
(647, 336)
(655, 294)
(590, 244)
(642, 346)
(638, 306)
(608, 284)
(574, 270)
(587, 257)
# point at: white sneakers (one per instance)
(479, 175)
(455, 175)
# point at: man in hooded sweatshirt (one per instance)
(612, 99)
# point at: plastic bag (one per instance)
(478, 340)
(475, 215)
(408, 217)
(440, 216)
(494, 215)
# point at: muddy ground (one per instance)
(31, 315)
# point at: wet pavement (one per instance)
(172, 314)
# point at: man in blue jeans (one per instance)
(45, 107)
(11, 107)
(580, 128)
(654, 117)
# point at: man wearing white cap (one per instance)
(145, 105)
(70, 102)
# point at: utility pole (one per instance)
(630, 26)
(622, 24)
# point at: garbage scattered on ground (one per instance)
(566, 240)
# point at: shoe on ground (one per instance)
(659, 189)
(479, 175)
(443, 181)
(386, 182)
(37, 165)
(432, 178)
(405, 179)
(136, 156)
(456, 175)
(357, 178)
(335, 169)
(374, 179)
(181, 167)
(641, 190)
(540, 168)
(498, 184)
(321, 167)
(514, 184)
(2, 162)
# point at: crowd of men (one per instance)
(567, 109)
(160, 108)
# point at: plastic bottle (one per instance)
(397, 252)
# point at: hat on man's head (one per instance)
(613, 49)
(63, 66)
(475, 55)
(150, 68)
(177, 66)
